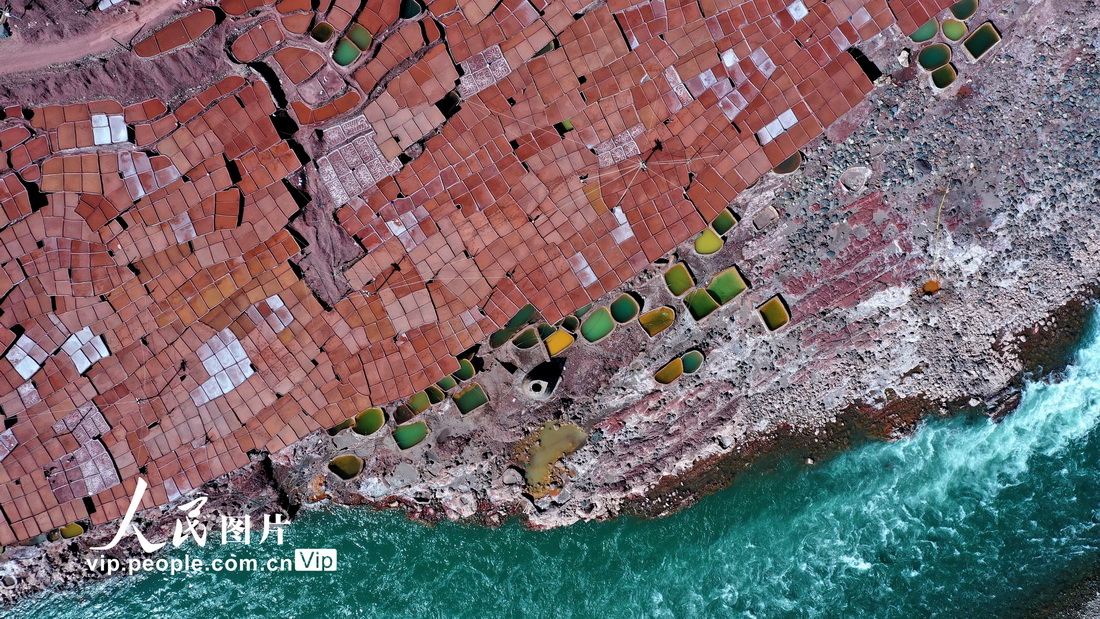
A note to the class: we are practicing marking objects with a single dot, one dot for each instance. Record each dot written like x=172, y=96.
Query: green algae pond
x=360, y=37
x=655, y=321
x=982, y=40
x=465, y=370
x=925, y=32
x=625, y=308
x=322, y=32
x=700, y=303
x=346, y=467
x=528, y=338
x=692, y=361
x=598, y=326
x=726, y=285
x=670, y=372
x=419, y=402
x=499, y=337
x=369, y=421
x=470, y=398
x=774, y=313
x=345, y=53
x=708, y=242
x=944, y=76
x=964, y=9
x=953, y=29
x=410, y=9
x=407, y=436
x=934, y=56
x=570, y=323
x=724, y=221
x=678, y=279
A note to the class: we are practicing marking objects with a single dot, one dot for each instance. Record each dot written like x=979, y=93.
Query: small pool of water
x=624, y=309
x=934, y=56
x=692, y=360
x=944, y=76
x=982, y=40
x=678, y=279
x=700, y=303
x=790, y=164
x=964, y=9
x=346, y=466
x=345, y=53
x=925, y=32
x=774, y=313
x=655, y=321
x=598, y=325
x=322, y=32
x=470, y=398
x=724, y=221
x=708, y=242
x=360, y=37
x=558, y=341
x=727, y=285
x=369, y=421
x=409, y=435
x=954, y=29
x=670, y=372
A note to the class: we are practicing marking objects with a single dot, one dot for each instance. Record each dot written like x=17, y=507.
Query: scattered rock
x=855, y=179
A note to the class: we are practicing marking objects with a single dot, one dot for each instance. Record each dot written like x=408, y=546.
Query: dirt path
x=17, y=56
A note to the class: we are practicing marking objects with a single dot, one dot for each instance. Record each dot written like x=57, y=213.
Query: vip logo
x=315, y=560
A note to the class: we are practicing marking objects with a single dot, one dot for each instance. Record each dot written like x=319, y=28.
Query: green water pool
x=345, y=53
x=700, y=303
x=692, y=361
x=678, y=279
x=964, y=9
x=407, y=436
x=982, y=40
x=369, y=421
x=360, y=36
x=470, y=398
x=724, y=221
x=598, y=326
x=953, y=29
x=708, y=242
x=934, y=56
x=944, y=76
x=655, y=321
x=726, y=285
x=925, y=32
x=624, y=309
x=346, y=466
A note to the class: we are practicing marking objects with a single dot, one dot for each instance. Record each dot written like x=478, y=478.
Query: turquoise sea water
x=966, y=518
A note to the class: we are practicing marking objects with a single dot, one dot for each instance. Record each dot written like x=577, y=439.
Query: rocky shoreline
x=866, y=355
